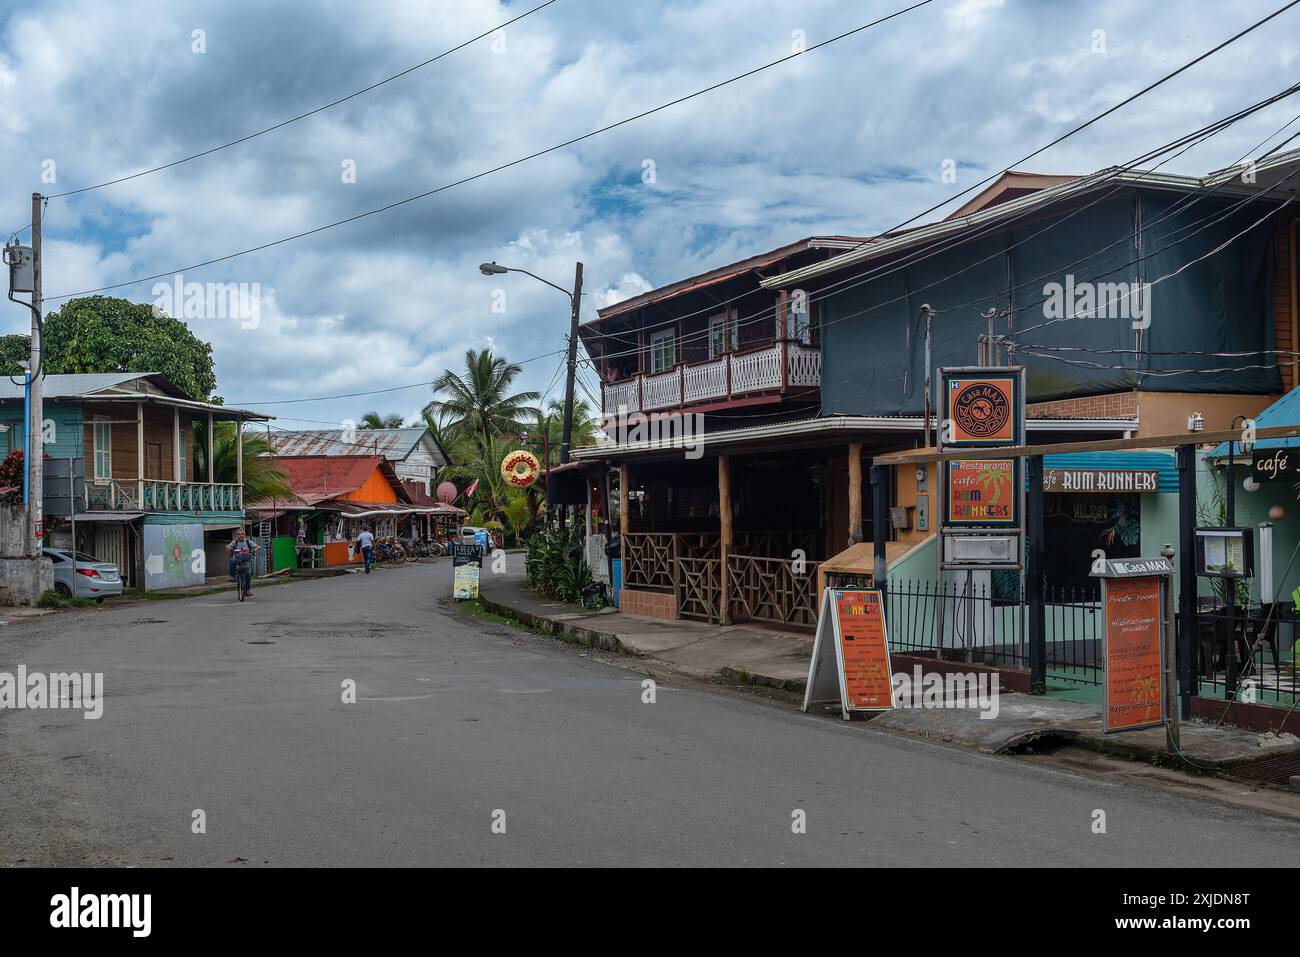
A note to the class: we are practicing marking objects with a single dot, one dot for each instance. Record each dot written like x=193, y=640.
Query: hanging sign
x=466, y=562
x=850, y=659
x=982, y=407
x=1270, y=464
x=983, y=492
x=1134, y=689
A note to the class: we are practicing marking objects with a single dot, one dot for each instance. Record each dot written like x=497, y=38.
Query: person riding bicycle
x=242, y=549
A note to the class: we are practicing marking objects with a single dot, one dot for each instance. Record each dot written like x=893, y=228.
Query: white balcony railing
x=661, y=391
x=623, y=395
x=708, y=380
x=761, y=369
x=782, y=365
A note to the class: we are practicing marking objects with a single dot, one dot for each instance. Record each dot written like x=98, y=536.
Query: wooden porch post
x=210, y=469
x=724, y=513
x=855, y=493
x=139, y=454
x=239, y=462
x=624, y=477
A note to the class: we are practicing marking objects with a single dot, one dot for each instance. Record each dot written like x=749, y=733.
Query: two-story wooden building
x=733, y=483
x=135, y=497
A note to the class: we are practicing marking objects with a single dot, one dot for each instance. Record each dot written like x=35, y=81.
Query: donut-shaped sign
x=520, y=468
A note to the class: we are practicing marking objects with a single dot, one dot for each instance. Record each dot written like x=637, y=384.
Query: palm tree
x=373, y=420
x=263, y=479
x=584, y=426
x=479, y=402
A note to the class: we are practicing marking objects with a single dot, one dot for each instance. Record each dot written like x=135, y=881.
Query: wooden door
x=153, y=460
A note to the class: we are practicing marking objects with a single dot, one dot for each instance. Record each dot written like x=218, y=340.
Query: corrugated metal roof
x=394, y=444
x=318, y=478
x=1285, y=411
x=71, y=386
x=1162, y=462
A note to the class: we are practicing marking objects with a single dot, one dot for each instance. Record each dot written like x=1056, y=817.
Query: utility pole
x=573, y=363
x=573, y=369
x=35, y=425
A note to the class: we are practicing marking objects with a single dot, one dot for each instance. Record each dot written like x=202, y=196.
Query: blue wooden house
x=130, y=437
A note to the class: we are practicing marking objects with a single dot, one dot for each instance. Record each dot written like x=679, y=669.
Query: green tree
x=520, y=512
x=106, y=334
x=480, y=402
x=13, y=348
x=263, y=479
x=373, y=420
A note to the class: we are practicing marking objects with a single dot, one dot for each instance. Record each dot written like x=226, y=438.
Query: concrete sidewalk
x=780, y=660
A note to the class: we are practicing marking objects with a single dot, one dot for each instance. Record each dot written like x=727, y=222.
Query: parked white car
x=83, y=576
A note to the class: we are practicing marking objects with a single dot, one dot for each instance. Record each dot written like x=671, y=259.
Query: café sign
x=1272, y=464
x=1101, y=481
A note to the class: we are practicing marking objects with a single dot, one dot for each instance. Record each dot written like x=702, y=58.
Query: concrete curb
x=1210, y=753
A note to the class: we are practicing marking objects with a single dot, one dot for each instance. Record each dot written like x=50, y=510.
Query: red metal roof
x=318, y=478
x=713, y=276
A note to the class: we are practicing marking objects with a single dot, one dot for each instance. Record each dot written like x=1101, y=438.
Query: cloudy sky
x=850, y=139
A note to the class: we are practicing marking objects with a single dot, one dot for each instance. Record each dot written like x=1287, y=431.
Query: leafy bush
x=11, y=474
x=555, y=563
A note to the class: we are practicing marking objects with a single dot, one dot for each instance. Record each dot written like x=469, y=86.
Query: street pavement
x=237, y=710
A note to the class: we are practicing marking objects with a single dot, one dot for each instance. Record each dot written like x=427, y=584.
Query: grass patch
x=52, y=599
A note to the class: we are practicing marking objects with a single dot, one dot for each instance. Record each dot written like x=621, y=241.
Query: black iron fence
x=1247, y=653
x=990, y=625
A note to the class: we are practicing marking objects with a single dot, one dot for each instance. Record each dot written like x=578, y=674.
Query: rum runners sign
x=1100, y=481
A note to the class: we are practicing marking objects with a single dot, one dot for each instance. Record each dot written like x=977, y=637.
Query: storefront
x=1120, y=503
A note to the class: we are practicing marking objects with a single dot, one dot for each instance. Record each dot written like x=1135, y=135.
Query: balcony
x=780, y=367
x=153, y=495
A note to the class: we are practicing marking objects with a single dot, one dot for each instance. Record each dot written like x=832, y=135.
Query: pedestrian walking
x=366, y=544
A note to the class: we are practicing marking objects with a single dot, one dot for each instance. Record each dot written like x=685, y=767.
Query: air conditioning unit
x=981, y=551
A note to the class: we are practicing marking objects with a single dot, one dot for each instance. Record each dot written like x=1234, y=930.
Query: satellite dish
x=447, y=493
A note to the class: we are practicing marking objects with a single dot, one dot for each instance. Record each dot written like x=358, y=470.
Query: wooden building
x=132, y=439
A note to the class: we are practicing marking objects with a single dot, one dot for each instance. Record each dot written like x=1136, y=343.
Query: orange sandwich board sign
x=850, y=659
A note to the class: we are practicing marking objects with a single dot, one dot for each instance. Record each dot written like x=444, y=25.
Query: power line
x=504, y=166
x=912, y=258
x=303, y=116
x=1189, y=140
x=1083, y=126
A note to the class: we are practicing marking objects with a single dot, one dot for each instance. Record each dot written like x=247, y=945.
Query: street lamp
x=575, y=301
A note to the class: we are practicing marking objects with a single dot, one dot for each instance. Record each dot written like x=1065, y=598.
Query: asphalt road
x=237, y=710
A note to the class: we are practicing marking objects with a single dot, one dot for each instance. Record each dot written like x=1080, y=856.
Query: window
x=718, y=328
x=798, y=318
x=663, y=352
x=103, y=436
x=17, y=434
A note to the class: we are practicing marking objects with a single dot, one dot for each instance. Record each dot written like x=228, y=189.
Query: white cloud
x=849, y=139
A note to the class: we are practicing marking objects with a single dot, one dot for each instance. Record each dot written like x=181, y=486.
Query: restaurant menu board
x=981, y=409
x=1134, y=687
x=983, y=493
x=466, y=561
x=850, y=661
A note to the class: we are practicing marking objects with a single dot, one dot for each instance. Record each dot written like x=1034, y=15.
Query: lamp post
x=575, y=303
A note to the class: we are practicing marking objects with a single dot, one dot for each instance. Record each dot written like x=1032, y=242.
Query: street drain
x=1274, y=769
